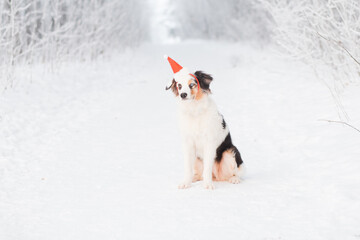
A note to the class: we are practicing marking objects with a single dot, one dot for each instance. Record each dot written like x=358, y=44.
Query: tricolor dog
x=209, y=153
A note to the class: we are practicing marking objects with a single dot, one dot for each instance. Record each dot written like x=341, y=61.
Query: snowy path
x=96, y=156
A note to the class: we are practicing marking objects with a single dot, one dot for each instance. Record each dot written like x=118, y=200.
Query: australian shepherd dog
x=209, y=154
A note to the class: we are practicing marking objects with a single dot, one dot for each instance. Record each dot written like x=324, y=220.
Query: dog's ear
x=173, y=88
x=204, y=80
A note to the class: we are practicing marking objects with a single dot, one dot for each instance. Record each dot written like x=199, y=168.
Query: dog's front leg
x=209, y=157
x=189, y=161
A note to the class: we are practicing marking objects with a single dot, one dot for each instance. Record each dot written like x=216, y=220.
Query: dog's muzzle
x=183, y=95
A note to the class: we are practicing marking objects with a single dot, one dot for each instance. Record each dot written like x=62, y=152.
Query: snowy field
x=91, y=151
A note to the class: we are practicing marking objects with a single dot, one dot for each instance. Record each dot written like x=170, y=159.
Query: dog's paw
x=234, y=180
x=184, y=185
x=209, y=185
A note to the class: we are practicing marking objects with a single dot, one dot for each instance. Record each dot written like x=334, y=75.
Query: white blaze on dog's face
x=186, y=87
x=182, y=79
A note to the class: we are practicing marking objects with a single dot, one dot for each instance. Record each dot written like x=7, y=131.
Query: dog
x=209, y=153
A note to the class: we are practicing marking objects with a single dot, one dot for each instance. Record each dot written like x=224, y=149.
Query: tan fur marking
x=196, y=92
x=199, y=94
x=198, y=169
x=174, y=88
x=222, y=171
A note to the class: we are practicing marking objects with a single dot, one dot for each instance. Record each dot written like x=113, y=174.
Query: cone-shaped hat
x=174, y=65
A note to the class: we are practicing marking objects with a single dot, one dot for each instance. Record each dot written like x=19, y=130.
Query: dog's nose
x=183, y=95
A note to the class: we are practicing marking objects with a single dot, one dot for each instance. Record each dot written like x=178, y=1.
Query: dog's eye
x=179, y=86
x=192, y=85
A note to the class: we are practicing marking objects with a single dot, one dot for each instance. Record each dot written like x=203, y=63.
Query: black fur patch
x=226, y=145
x=223, y=123
x=204, y=79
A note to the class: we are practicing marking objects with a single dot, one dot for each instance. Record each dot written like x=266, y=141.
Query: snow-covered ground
x=92, y=151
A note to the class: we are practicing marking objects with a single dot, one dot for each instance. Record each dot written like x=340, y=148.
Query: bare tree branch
x=340, y=45
x=341, y=122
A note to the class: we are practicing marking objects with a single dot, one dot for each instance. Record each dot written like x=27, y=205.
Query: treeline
x=53, y=30
x=234, y=20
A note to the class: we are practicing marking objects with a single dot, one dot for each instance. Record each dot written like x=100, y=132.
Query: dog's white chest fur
x=200, y=124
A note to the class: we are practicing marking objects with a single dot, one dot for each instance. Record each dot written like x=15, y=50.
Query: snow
x=91, y=151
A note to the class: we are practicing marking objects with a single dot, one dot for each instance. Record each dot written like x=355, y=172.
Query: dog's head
x=191, y=86
x=188, y=86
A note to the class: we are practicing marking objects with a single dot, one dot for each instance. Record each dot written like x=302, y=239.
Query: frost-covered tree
x=51, y=31
x=226, y=20
x=323, y=33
